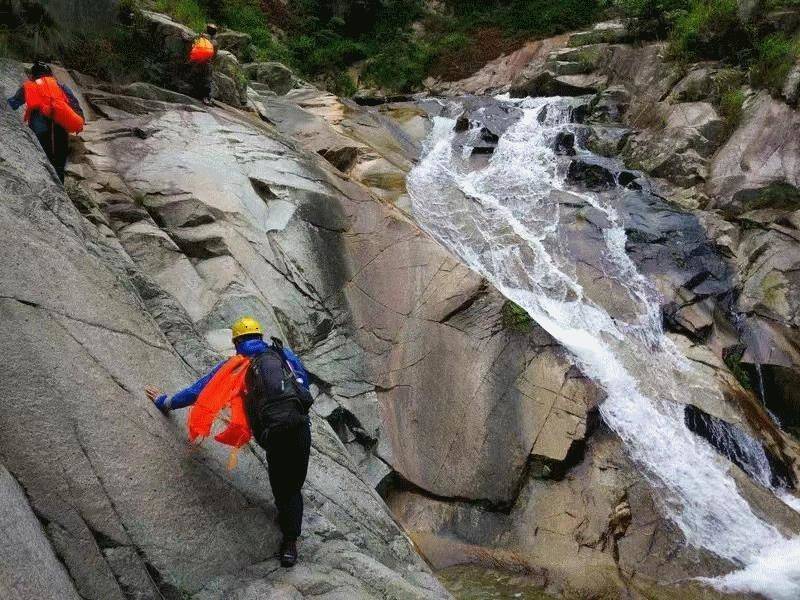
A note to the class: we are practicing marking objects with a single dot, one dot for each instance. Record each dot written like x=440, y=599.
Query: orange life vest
x=202, y=50
x=46, y=96
x=226, y=389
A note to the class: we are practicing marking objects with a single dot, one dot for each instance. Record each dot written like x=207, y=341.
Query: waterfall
x=502, y=220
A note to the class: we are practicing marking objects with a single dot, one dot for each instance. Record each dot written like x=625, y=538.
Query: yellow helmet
x=245, y=326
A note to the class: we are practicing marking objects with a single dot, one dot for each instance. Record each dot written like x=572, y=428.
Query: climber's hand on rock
x=152, y=393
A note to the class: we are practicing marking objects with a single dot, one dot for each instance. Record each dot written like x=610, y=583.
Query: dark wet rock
x=628, y=180
x=606, y=141
x=493, y=117
x=590, y=175
x=462, y=124
x=542, y=115
x=610, y=105
x=564, y=143
x=672, y=248
x=579, y=113
x=738, y=447
x=489, y=137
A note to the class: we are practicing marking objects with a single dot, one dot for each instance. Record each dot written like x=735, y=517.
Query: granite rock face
x=125, y=504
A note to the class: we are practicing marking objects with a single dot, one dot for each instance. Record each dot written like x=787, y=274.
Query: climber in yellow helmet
x=272, y=401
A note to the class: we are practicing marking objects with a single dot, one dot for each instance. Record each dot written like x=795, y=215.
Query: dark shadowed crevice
x=738, y=447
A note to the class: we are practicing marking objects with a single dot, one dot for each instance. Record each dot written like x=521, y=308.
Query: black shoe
x=288, y=553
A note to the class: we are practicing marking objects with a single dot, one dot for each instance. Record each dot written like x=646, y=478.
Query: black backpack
x=274, y=399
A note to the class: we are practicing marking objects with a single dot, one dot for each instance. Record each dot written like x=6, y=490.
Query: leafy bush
x=775, y=56
x=652, y=19
x=525, y=17
x=730, y=107
x=712, y=30
x=733, y=359
x=400, y=68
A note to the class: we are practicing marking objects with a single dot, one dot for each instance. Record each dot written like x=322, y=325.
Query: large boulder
x=235, y=42
x=276, y=76
x=548, y=83
x=645, y=73
x=613, y=32
x=680, y=150
x=596, y=533
x=575, y=61
x=229, y=83
x=791, y=87
x=498, y=75
x=759, y=166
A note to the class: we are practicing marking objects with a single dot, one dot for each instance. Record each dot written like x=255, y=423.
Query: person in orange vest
x=53, y=138
x=274, y=404
x=201, y=59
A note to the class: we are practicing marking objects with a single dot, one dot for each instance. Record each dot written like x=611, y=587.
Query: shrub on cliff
x=712, y=29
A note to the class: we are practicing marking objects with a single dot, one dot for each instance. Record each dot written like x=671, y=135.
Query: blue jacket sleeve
x=73, y=100
x=188, y=396
x=297, y=366
x=17, y=99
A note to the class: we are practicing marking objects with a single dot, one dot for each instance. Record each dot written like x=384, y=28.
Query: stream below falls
x=500, y=216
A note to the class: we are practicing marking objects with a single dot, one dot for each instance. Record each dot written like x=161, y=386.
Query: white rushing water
x=503, y=221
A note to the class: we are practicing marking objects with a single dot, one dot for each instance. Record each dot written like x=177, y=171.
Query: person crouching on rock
x=266, y=388
x=52, y=111
x=201, y=59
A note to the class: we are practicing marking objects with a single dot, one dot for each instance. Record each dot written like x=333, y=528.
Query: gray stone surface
x=28, y=566
x=118, y=489
x=680, y=149
x=229, y=82
x=276, y=76
x=759, y=166
x=235, y=42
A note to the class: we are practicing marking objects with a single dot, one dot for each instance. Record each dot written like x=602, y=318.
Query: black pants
x=288, y=451
x=201, y=77
x=55, y=143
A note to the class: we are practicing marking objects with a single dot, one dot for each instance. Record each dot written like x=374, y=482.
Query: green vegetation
x=730, y=107
x=515, y=318
x=651, y=19
x=775, y=56
x=394, y=45
x=321, y=40
x=188, y=12
x=733, y=359
x=711, y=29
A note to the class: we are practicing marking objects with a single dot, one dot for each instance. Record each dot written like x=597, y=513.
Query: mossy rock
x=779, y=195
x=516, y=319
